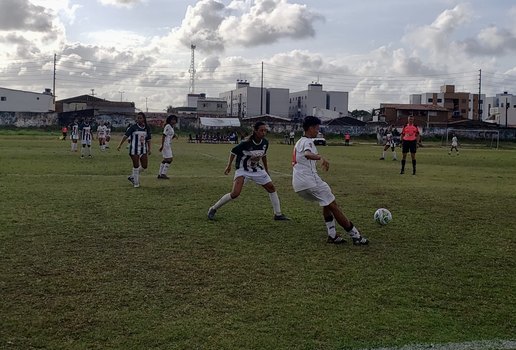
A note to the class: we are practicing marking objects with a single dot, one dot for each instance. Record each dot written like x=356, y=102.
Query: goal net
x=473, y=138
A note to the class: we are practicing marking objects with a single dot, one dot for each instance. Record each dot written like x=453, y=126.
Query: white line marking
x=472, y=345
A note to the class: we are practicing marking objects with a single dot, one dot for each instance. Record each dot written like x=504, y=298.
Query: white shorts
x=167, y=152
x=320, y=193
x=86, y=142
x=260, y=177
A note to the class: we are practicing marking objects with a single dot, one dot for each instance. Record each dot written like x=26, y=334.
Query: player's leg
x=343, y=221
x=238, y=183
x=135, y=176
x=413, y=150
x=385, y=148
x=393, y=149
x=276, y=206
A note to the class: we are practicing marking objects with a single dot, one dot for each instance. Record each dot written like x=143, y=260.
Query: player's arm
x=312, y=156
x=265, y=164
x=121, y=142
x=162, y=142
x=230, y=161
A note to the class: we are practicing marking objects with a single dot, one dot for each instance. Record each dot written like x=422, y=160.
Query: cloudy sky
x=139, y=50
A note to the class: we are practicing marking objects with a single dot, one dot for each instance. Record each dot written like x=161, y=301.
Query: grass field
x=88, y=262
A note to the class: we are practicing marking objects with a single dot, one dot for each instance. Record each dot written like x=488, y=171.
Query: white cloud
x=120, y=3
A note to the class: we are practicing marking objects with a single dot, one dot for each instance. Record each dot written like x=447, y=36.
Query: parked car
x=320, y=140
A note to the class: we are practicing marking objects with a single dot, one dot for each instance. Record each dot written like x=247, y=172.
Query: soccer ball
x=382, y=216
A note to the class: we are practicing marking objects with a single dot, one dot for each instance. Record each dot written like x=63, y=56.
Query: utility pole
x=93, y=92
x=479, y=94
x=146, y=108
x=54, y=82
x=121, y=95
x=261, y=94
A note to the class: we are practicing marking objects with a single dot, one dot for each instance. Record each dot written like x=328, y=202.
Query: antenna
x=192, y=70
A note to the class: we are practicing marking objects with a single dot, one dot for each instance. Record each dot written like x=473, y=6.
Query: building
x=211, y=107
x=502, y=109
x=463, y=105
x=248, y=101
x=95, y=105
x=26, y=101
x=304, y=103
x=424, y=114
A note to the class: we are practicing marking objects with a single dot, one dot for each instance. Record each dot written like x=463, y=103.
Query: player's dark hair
x=144, y=118
x=170, y=118
x=255, y=129
x=310, y=121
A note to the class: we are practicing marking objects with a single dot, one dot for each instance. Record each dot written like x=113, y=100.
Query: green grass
x=88, y=262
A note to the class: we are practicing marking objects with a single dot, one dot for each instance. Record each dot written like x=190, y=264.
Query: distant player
x=389, y=143
x=101, y=135
x=108, y=133
x=409, y=139
x=250, y=164
x=166, y=146
x=307, y=184
x=86, y=138
x=74, y=135
x=454, y=145
x=139, y=147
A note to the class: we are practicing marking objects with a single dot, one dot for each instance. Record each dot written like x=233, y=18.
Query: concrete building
x=247, y=101
x=26, y=101
x=95, y=104
x=424, y=114
x=211, y=107
x=463, y=105
x=502, y=109
x=304, y=103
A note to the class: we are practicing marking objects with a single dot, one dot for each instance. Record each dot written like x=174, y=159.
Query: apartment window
x=439, y=100
x=3, y=98
x=430, y=100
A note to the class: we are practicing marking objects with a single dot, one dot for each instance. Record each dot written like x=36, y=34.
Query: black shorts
x=410, y=146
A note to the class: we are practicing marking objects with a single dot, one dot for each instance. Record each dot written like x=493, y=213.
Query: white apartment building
x=502, y=109
x=462, y=104
x=304, y=103
x=26, y=101
x=247, y=101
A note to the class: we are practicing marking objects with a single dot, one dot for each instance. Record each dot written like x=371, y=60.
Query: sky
x=380, y=51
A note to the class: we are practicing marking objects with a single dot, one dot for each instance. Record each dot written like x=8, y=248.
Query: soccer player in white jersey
x=307, y=183
x=389, y=143
x=139, y=147
x=108, y=133
x=74, y=136
x=166, y=146
x=86, y=138
x=454, y=145
x=101, y=135
x=249, y=153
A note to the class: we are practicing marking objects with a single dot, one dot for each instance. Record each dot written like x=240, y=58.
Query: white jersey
x=304, y=174
x=101, y=131
x=454, y=141
x=169, y=133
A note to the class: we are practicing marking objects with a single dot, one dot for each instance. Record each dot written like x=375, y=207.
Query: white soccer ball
x=382, y=216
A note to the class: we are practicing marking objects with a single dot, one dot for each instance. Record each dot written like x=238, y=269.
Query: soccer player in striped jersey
x=250, y=164
x=101, y=135
x=108, y=133
x=86, y=138
x=74, y=135
x=307, y=184
x=139, y=147
x=389, y=143
x=166, y=146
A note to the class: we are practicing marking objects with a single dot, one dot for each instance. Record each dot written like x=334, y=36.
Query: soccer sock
x=352, y=231
x=141, y=169
x=223, y=200
x=161, y=165
x=165, y=168
x=383, y=154
x=394, y=155
x=402, y=164
x=136, y=175
x=414, y=166
x=275, y=203
x=330, y=226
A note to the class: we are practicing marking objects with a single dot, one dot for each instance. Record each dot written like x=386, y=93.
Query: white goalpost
x=489, y=137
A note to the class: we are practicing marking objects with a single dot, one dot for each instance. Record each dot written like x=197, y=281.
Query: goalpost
x=488, y=137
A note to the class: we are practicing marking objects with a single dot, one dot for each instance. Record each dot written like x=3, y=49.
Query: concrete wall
x=25, y=101
x=28, y=119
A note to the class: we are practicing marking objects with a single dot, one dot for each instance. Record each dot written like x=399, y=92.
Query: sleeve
x=238, y=149
x=130, y=130
x=305, y=145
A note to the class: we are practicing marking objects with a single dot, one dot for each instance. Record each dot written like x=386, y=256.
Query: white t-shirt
x=454, y=141
x=168, y=131
x=304, y=173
